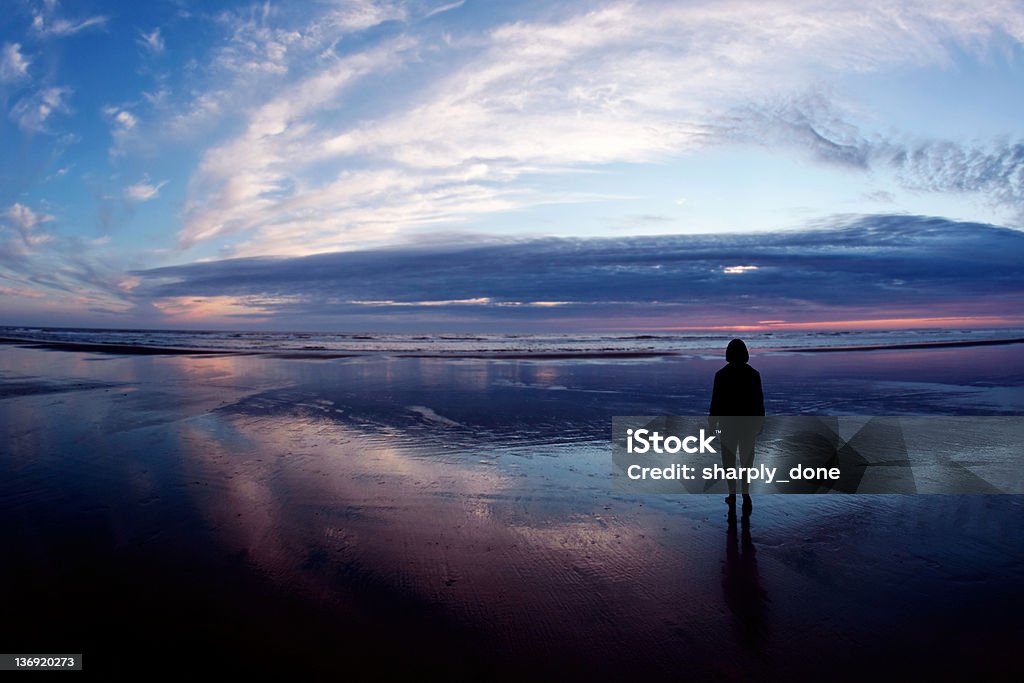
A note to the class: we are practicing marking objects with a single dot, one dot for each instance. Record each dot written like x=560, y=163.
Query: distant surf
x=510, y=346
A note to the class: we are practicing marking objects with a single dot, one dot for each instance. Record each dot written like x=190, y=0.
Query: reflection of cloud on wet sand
x=288, y=485
x=304, y=496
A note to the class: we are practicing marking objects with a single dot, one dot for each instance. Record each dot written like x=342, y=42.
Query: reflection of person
x=741, y=583
x=737, y=408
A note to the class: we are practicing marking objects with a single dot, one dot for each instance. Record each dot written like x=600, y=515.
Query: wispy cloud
x=625, y=82
x=54, y=274
x=125, y=119
x=445, y=8
x=26, y=223
x=47, y=21
x=993, y=170
x=13, y=64
x=152, y=42
x=263, y=49
x=122, y=128
x=32, y=112
x=143, y=190
x=356, y=15
x=241, y=183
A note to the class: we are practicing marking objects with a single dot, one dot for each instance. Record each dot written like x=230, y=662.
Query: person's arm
x=759, y=396
x=759, y=401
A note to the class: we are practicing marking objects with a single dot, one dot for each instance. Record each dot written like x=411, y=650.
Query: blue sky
x=179, y=164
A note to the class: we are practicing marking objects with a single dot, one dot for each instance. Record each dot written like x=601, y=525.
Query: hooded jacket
x=737, y=388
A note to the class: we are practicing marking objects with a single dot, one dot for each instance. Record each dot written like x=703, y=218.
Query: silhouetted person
x=737, y=408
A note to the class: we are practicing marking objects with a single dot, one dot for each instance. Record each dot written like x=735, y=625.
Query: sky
x=441, y=165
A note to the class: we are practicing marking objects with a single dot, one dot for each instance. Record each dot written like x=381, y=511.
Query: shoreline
x=300, y=354
x=911, y=346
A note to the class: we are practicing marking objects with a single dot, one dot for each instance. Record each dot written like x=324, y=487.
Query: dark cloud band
x=909, y=263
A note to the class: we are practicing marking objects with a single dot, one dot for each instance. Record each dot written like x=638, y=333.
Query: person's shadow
x=741, y=586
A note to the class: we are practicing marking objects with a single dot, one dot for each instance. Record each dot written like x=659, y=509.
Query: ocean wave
x=520, y=346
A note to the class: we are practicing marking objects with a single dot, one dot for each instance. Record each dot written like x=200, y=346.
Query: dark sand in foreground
x=411, y=515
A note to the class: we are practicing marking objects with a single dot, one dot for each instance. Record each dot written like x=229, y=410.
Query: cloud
x=264, y=47
x=348, y=126
x=32, y=112
x=125, y=119
x=153, y=42
x=21, y=234
x=445, y=8
x=143, y=191
x=880, y=196
x=47, y=22
x=240, y=180
x=807, y=122
x=60, y=272
x=20, y=292
x=26, y=221
x=122, y=128
x=626, y=82
x=994, y=170
x=253, y=46
x=256, y=46
x=896, y=266
x=13, y=64
x=357, y=15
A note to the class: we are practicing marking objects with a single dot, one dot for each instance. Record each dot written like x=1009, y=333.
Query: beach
x=455, y=514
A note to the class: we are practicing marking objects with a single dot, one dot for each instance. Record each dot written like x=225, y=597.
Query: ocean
x=456, y=344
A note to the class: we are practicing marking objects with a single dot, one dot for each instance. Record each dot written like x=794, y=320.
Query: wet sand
x=413, y=515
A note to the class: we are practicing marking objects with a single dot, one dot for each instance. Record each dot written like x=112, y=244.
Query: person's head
x=737, y=352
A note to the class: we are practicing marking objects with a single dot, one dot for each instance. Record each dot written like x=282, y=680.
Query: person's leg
x=729, y=460
x=746, y=457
